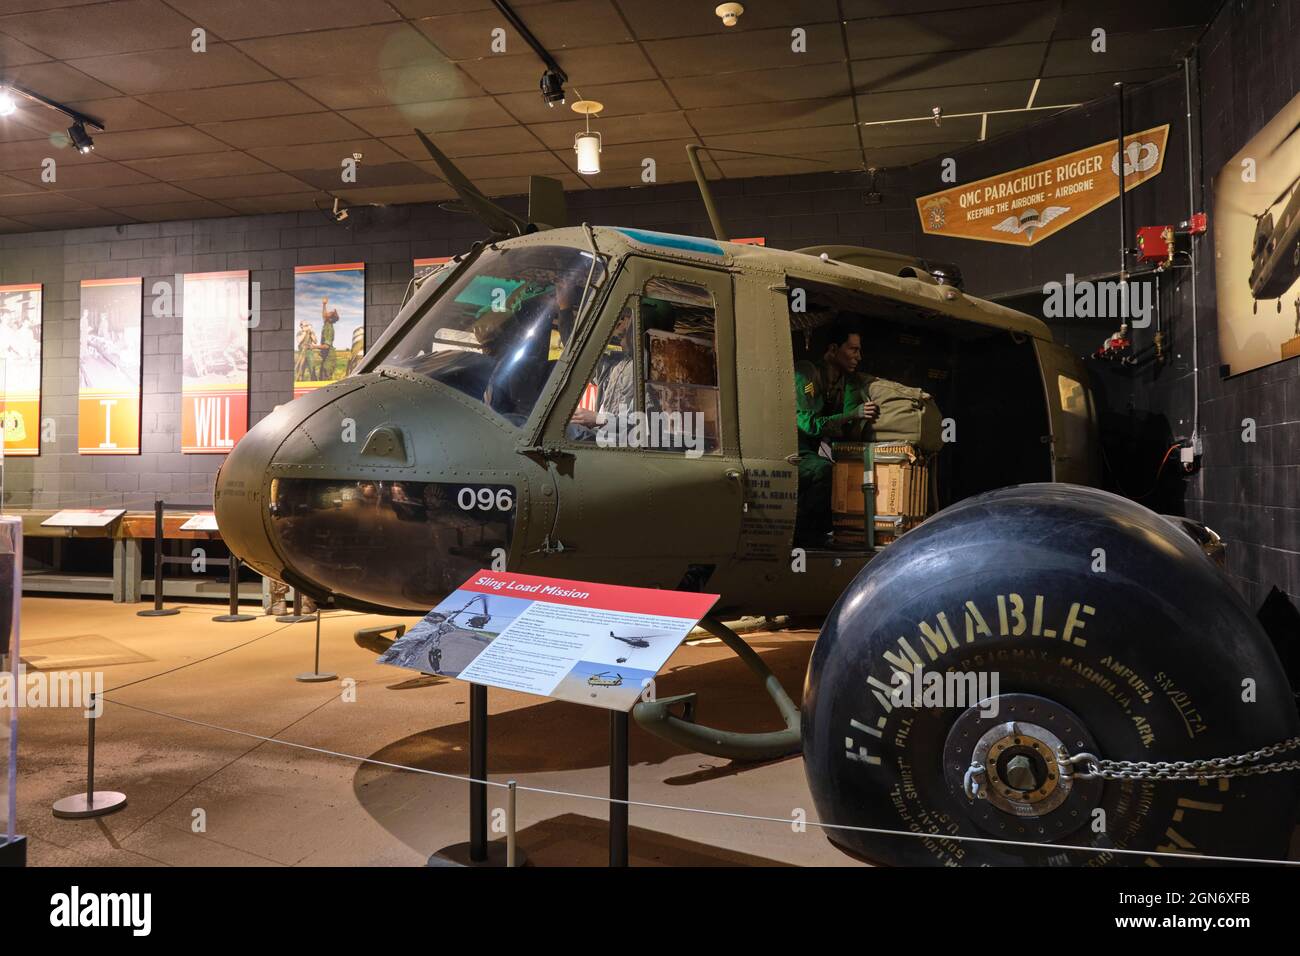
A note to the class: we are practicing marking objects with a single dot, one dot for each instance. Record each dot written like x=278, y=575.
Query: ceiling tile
x=13, y=53
x=58, y=81
x=559, y=27
x=515, y=73
x=496, y=167
x=435, y=79
x=294, y=202
x=817, y=80
x=147, y=143
x=123, y=113
x=246, y=101
x=471, y=142
x=259, y=184
x=827, y=162
x=76, y=219
x=616, y=155
x=746, y=51
x=1065, y=90
x=1124, y=51
x=199, y=166
x=241, y=19
x=328, y=156
x=380, y=47
x=698, y=19
x=368, y=176
x=168, y=211
x=390, y=195
x=790, y=142
x=959, y=129
x=166, y=70
x=16, y=185
x=951, y=99
x=282, y=130
x=123, y=26
x=30, y=155
x=442, y=115
x=937, y=33
x=137, y=194
x=92, y=175
x=923, y=71
x=1124, y=16
x=22, y=205
x=757, y=116
x=619, y=99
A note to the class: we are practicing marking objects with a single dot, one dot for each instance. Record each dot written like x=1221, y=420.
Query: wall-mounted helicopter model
x=483, y=401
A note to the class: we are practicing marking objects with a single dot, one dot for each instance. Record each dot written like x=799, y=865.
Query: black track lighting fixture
x=77, y=134
x=553, y=87
x=81, y=140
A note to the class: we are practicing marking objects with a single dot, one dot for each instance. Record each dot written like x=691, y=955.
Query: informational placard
x=1026, y=205
x=329, y=320
x=20, y=350
x=596, y=644
x=214, y=376
x=83, y=518
x=108, y=402
x=203, y=521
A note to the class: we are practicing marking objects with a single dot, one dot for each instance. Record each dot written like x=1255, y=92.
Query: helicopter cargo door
x=1072, y=417
x=655, y=487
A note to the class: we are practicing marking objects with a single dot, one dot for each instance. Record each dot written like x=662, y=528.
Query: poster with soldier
x=108, y=398
x=214, y=368
x=20, y=353
x=329, y=321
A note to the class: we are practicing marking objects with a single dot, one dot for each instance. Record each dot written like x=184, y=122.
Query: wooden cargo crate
x=902, y=492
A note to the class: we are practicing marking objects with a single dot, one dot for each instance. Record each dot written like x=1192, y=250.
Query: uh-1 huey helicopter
x=465, y=441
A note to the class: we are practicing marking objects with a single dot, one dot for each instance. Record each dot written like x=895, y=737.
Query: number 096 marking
x=485, y=499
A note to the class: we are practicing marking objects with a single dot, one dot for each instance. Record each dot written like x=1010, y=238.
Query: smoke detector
x=730, y=13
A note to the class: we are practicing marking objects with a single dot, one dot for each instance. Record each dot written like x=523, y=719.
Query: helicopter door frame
x=1071, y=414
x=650, y=502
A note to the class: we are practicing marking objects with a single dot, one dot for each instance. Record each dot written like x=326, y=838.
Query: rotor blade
x=495, y=217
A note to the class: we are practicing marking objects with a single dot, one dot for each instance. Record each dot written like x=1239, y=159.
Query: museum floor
x=267, y=804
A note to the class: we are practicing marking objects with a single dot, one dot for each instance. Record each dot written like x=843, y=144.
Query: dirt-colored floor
x=263, y=803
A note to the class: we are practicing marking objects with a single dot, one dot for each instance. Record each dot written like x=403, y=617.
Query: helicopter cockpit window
x=499, y=328
x=677, y=407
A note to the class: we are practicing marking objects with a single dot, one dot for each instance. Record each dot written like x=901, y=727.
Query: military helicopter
x=1275, y=249
x=478, y=402
x=634, y=641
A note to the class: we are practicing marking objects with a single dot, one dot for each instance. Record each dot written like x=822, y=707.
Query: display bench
x=127, y=530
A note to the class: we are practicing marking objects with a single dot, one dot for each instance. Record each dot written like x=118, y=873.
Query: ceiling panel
x=473, y=113
x=435, y=79
x=288, y=89
x=166, y=70
x=243, y=101
x=241, y=19
x=120, y=27
x=380, y=47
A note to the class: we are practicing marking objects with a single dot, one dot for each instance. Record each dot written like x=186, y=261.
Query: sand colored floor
x=265, y=804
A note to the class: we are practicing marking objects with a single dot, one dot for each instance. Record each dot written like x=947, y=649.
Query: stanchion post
x=92, y=803
x=234, y=614
x=618, y=789
x=158, y=610
x=511, y=791
x=315, y=676
x=478, y=771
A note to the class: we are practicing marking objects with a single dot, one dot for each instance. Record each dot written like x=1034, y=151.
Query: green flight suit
x=329, y=358
x=825, y=412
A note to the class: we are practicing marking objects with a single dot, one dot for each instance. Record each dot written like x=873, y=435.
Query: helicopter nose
x=360, y=491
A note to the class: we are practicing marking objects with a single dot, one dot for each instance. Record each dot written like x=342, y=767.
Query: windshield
x=497, y=331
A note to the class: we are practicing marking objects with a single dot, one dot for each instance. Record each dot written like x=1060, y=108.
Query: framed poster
x=20, y=350
x=108, y=402
x=214, y=361
x=1257, y=246
x=329, y=321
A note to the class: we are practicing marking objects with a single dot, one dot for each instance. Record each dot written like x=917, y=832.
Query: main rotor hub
x=1019, y=749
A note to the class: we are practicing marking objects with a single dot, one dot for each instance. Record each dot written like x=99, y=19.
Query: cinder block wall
x=789, y=211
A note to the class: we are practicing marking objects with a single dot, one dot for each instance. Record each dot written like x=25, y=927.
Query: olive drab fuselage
x=527, y=496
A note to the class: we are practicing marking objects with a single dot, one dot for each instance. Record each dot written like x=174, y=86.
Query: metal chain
x=1088, y=766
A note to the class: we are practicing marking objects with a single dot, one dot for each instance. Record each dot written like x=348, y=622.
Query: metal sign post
x=618, y=789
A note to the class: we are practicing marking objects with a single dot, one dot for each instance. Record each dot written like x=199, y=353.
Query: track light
x=80, y=138
x=552, y=87
x=7, y=104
